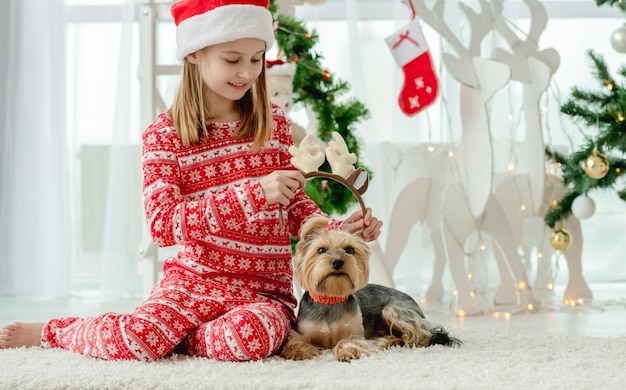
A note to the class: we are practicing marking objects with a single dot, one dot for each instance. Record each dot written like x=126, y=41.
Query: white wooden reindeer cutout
x=534, y=69
x=468, y=206
x=530, y=231
x=423, y=199
x=480, y=78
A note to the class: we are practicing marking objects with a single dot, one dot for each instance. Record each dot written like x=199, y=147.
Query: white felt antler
x=340, y=159
x=308, y=157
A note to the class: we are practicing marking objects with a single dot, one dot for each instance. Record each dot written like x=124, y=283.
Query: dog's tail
x=440, y=336
x=410, y=327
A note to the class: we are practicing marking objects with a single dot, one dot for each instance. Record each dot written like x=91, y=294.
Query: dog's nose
x=336, y=264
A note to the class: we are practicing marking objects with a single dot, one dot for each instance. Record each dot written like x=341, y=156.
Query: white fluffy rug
x=487, y=360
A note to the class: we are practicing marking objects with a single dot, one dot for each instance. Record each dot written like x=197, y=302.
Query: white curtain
x=70, y=199
x=35, y=229
x=106, y=138
x=124, y=216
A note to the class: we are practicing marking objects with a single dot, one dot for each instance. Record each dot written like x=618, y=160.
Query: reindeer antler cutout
x=308, y=158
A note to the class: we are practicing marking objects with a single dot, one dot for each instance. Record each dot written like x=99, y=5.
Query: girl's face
x=229, y=69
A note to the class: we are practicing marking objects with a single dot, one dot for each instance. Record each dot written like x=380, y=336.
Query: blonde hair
x=190, y=115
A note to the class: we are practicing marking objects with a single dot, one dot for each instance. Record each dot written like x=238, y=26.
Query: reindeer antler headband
x=308, y=158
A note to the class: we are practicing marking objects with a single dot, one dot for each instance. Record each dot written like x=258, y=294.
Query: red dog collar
x=326, y=300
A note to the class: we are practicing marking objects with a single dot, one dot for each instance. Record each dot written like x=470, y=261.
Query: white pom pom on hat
x=202, y=23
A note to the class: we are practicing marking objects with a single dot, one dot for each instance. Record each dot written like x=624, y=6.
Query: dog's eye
x=321, y=251
x=349, y=250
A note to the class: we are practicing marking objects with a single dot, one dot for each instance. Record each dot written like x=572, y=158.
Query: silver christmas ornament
x=618, y=39
x=583, y=207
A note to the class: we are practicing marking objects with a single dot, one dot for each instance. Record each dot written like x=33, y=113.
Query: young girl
x=216, y=176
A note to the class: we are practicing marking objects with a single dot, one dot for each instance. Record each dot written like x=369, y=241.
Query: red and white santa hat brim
x=202, y=23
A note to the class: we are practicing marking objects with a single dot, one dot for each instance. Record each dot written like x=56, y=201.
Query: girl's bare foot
x=21, y=334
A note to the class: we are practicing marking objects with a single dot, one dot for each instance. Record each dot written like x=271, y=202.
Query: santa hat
x=202, y=23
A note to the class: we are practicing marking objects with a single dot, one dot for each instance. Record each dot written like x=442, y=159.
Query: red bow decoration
x=402, y=37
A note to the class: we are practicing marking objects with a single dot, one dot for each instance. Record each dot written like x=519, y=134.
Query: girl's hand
x=281, y=186
x=370, y=224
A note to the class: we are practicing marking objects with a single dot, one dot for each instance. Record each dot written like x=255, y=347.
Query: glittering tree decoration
x=316, y=87
x=600, y=161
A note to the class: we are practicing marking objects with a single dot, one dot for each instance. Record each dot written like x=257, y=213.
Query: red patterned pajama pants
x=222, y=318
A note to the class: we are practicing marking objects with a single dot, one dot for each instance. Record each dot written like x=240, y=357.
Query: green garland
x=316, y=87
x=604, y=111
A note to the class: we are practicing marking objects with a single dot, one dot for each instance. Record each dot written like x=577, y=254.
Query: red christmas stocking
x=410, y=51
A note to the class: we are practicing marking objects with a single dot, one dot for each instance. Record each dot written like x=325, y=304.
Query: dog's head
x=330, y=262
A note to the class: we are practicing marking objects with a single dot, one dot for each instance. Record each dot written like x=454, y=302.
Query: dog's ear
x=313, y=227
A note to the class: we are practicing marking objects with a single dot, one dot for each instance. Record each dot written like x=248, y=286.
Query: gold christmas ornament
x=596, y=165
x=560, y=239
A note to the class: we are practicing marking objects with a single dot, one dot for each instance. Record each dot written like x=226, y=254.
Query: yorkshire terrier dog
x=341, y=311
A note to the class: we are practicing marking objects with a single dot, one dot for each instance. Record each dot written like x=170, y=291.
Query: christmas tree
x=317, y=88
x=599, y=161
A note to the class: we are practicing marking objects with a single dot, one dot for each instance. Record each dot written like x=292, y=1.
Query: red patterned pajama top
x=208, y=200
